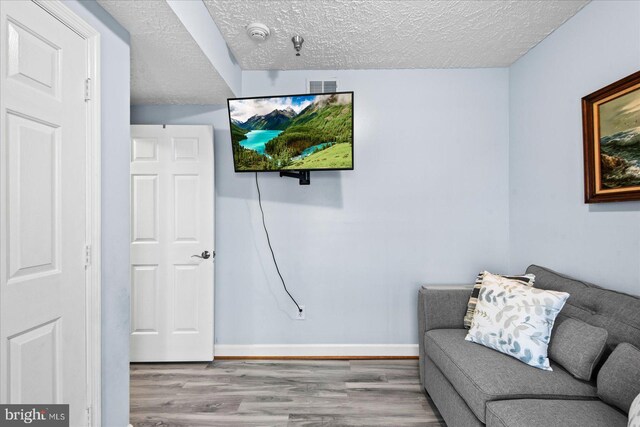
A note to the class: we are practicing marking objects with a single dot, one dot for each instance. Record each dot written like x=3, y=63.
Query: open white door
x=171, y=228
x=45, y=217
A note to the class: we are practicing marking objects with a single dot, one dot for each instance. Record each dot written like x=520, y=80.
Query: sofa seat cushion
x=481, y=375
x=553, y=413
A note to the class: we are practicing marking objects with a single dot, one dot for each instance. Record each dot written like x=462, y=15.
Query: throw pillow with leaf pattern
x=525, y=279
x=515, y=319
x=634, y=413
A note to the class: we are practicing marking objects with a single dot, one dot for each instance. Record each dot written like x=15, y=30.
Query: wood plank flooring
x=281, y=393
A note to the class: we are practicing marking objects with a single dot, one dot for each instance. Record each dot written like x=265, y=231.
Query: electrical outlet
x=300, y=315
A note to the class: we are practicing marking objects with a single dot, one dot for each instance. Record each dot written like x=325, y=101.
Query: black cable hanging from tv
x=266, y=232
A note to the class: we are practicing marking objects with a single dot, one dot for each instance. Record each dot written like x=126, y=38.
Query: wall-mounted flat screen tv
x=295, y=132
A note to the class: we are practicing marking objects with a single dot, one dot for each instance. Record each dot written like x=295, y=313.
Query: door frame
x=93, y=271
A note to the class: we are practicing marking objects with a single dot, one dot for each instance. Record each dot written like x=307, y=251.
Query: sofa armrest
x=440, y=307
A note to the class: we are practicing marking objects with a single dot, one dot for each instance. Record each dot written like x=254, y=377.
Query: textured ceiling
x=365, y=34
x=167, y=65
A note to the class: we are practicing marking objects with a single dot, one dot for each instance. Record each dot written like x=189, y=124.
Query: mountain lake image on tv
x=295, y=132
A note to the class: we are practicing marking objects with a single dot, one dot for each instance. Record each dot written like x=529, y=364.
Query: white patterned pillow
x=524, y=279
x=634, y=413
x=515, y=319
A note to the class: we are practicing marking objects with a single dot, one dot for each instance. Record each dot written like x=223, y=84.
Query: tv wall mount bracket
x=303, y=176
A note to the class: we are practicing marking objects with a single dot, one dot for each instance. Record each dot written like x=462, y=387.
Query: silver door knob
x=204, y=255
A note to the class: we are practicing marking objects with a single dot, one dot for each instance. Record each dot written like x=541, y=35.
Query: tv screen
x=295, y=132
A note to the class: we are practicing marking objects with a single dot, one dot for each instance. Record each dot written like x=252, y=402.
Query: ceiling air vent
x=322, y=86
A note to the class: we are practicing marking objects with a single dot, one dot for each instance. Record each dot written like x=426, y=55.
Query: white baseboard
x=318, y=350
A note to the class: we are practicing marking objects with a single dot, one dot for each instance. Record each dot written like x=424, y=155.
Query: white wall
x=427, y=202
x=114, y=40
x=549, y=222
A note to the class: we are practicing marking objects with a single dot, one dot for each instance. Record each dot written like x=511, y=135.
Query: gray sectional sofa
x=472, y=385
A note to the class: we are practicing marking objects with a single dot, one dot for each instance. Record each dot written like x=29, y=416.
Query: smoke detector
x=258, y=32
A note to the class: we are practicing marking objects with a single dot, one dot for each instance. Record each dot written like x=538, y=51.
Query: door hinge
x=88, y=411
x=87, y=90
x=87, y=256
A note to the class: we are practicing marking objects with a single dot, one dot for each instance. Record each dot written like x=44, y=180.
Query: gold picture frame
x=611, y=136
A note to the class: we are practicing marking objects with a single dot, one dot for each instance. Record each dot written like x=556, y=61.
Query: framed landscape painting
x=611, y=131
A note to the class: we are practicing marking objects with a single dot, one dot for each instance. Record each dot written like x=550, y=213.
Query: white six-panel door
x=171, y=222
x=42, y=210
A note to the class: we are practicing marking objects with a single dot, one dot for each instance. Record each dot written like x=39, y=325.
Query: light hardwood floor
x=281, y=393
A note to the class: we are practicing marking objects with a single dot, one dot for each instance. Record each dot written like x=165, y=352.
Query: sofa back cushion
x=577, y=346
x=619, y=379
x=617, y=312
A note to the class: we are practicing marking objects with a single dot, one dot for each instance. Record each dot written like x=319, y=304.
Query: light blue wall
x=549, y=222
x=114, y=71
x=427, y=202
